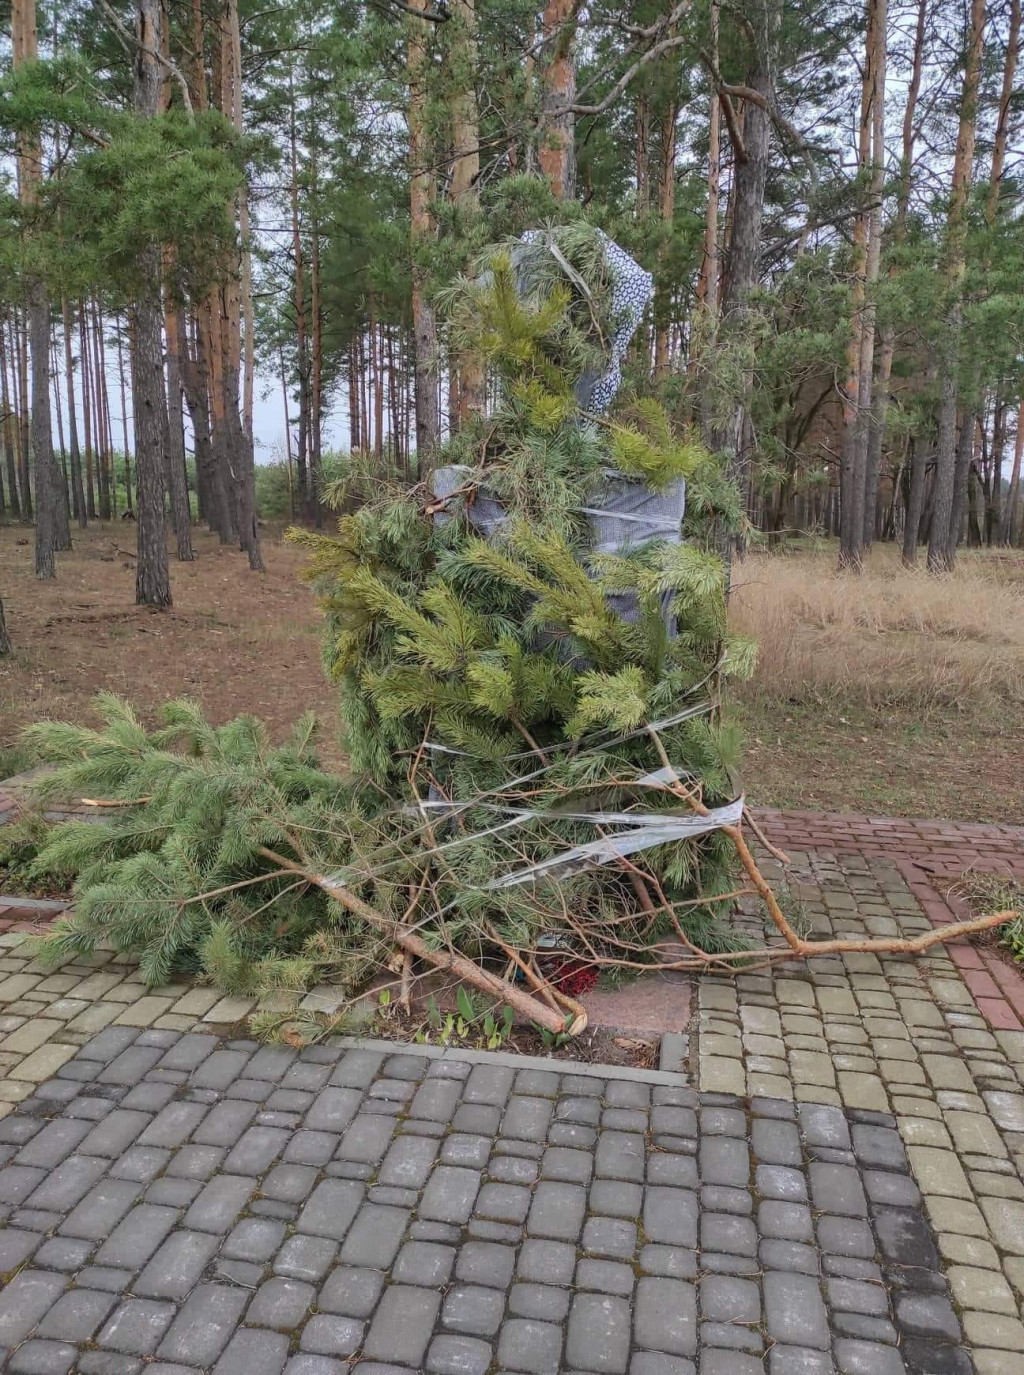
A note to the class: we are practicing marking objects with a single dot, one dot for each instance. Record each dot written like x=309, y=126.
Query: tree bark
x=77, y=491
x=181, y=516
x=556, y=154
x=945, y=532
x=152, y=583
x=6, y=647
x=50, y=522
x=867, y=457
x=421, y=193
x=104, y=456
x=299, y=298
x=1009, y=520
x=465, y=175
x=9, y=429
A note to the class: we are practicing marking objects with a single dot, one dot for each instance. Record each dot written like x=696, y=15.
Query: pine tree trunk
x=945, y=530
x=152, y=583
x=993, y=504
x=666, y=212
x=104, y=458
x=747, y=212
x=86, y=370
x=868, y=457
x=465, y=175
x=242, y=315
x=181, y=517
x=856, y=406
x=50, y=535
x=421, y=193
x=77, y=491
x=60, y=466
x=6, y=647
x=556, y=154
x=299, y=297
x=316, y=362
x=1009, y=521
x=9, y=427
x=128, y=490
x=19, y=344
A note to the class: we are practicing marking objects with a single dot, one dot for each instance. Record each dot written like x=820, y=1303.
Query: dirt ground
x=237, y=641
x=244, y=643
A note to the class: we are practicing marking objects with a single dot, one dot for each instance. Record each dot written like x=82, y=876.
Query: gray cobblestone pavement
x=174, y=1203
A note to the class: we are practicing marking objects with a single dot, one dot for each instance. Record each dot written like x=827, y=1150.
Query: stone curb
x=500, y=1057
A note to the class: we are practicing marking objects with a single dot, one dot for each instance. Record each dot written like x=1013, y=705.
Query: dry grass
x=888, y=637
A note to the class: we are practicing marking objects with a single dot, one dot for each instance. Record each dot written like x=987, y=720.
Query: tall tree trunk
x=248, y=520
x=316, y=355
x=1009, y=521
x=556, y=154
x=421, y=193
x=880, y=399
x=867, y=460
x=86, y=366
x=855, y=406
x=123, y=390
x=666, y=212
x=994, y=495
x=62, y=469
x=104, y=457
x=19, y=347
x=50, y=522
x=299, y=297
x=196, y=379
x=77, y=491
x=181, y=516
x=152, y=583
x=465, y=175
x=945, y=530
x=710, y=271
x=9, y=432
x=6, y=647
x=747, y=212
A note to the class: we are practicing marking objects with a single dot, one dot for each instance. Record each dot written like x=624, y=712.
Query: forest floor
x=890, y=694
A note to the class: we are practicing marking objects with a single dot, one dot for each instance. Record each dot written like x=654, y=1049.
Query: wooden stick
x=463, y=968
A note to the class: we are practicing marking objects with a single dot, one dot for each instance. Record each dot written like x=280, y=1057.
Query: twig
x=780, y=855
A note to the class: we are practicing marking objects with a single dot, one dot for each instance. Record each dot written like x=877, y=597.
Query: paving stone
x=666, y=1315
x=204, y=1325
x=305, y=1257
x=39, y=1357
x=136, y=1326
x=254, y=1238
x=331, y=1208
x=137, y=1236
x=177, y=1266
x=670, y=1215
x=533, y=1347
x=867, y=1358
x=329, y=1335
x=794, y=1311
x=253, y=1353
x=425, y=1263
x=598, y=1335
x=401, y=1327
x=450, y=1194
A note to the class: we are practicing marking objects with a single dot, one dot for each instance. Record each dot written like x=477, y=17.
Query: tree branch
x=127, y=37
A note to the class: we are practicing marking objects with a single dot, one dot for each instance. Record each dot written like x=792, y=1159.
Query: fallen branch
x=465, y=969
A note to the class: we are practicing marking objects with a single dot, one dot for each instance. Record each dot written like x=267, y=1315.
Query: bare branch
x=126, y=37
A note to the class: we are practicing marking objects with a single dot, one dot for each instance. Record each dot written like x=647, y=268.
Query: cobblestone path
x=833, y=1186
x=171, y=1198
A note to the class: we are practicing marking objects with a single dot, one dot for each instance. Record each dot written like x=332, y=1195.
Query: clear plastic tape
x=667, y=829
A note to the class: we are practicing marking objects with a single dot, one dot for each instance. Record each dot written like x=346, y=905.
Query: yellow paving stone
x=811, y=1067
x=975, y=1131
x=956, y=1215
x=230, y=1009
x=948, y=1072
x=922, y=1131
x=997, y=1362
x=863, y=1091
x=995, y=1330
x=938, y=1172
x=816, y=1093
x=125, y=993
x=57, y=983
x=13, y=1092
x=721, y=1075
x=43, y=1063
x=986, y=1290
x=16, y=986
x=34, y=1033
x=1006, y=1221
x=5, y=1108
x=144, y=1012
x=96, y=985
x=196, y=1002
x=171, y=1022
x=94, y=1018
x=901, y=1072
x=769, y=1086
x=973, y=1251
x=1013, y=1268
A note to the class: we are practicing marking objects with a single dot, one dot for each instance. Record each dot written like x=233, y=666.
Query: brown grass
x=889, y=636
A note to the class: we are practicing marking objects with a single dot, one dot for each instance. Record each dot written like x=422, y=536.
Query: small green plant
x=998, y=893
x=554, y=1040
x=468, y=1026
